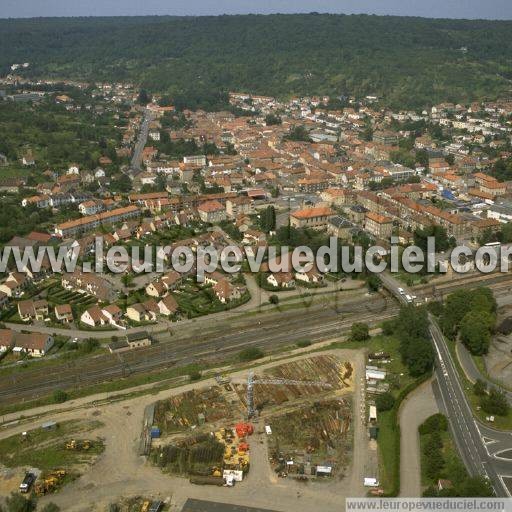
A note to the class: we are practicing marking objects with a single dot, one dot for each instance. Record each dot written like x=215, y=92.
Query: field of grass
x=45, y=449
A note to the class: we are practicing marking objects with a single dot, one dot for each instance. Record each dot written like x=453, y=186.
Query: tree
x=495, y=402
x=373, y=282
x=17, y=503
x=475, y=331
x=385, y=402
x=450, y=159
x=359, y=332
x=480, y=388
x=388, y=327
x=51, y=507
x=273, y=299
x=298, y=134
x=268, y=219
x=420, y=357
x=439, y=233
x=59, y=396
x=476, y=486
x=250, y=354
x=144, y=98
x=435, y=423
x=194, y=375
x=272, y=120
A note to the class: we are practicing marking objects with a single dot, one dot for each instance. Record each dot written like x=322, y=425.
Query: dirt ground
x=10, y=480
x=121, y=472
x=416, y=408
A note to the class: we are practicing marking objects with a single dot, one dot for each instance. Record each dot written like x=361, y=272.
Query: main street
x=136, y=163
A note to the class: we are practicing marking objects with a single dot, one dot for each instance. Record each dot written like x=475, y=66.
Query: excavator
x=50, y=483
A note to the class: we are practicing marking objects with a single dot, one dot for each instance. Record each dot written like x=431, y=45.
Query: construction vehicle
x=73, y=444
x=145, y=506
x=251, y=411
x=50, y=483
x=27, y=483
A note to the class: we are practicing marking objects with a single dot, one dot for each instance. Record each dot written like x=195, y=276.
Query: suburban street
x=136, y=163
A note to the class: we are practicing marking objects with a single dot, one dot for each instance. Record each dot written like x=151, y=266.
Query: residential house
x=227, y=292
x=64, y=313
x=312, y=276
x=143, y=311
x=89, y=284
x=281, y=280
x=91, y=207
x=156, y=289
x=32, y=310
x=34, y=344
x=94, y=317
x=168, y=305
x=114, y=314
x=6, y=339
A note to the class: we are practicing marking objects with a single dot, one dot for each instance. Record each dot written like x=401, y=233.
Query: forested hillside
x=410, y=62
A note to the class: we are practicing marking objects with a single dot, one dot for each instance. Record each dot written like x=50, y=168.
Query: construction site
x=313, y=441
x=229, y=439
x=204, y=434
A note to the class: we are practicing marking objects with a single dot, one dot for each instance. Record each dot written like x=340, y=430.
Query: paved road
x=136, y=164
x=472, y=372
x=469, y=436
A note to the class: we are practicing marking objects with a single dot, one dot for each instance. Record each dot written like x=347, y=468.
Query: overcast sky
x=491, y=9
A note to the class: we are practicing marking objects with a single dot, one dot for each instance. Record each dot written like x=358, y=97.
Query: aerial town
x=275, y=390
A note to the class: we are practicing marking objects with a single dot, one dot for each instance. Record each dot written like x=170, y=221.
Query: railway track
x=29, y=384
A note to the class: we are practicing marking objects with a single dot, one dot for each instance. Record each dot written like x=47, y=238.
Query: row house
x=311, y=217
x=29, y=310
x=89, y=284
x=97, y=317
x=380, y=226
x=90, y=222
x=238, y=206
x=211, y=211
x=337, y=196
x=91, y=207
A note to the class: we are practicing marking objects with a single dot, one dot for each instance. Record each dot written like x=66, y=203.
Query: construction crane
x=251, y=411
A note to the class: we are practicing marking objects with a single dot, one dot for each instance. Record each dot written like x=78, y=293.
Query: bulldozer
x=58, y=473
x=145, y=506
